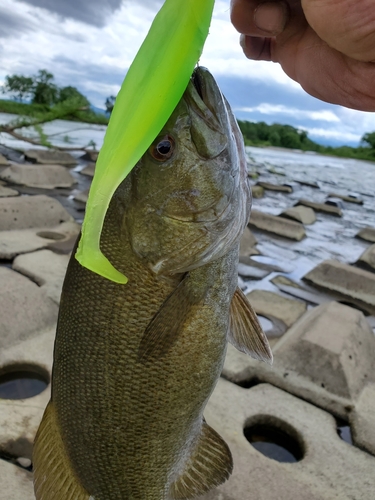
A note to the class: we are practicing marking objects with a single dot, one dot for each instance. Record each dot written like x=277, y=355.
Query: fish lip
x=196, y=79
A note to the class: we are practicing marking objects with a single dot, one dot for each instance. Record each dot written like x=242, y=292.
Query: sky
x=90, y=44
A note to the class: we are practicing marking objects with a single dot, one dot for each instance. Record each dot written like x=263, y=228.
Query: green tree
x=70, y=93
x=274, y=138
x=369, y=139
x=19, y=86
x=290, y=140
x=302, y=136
x=45, y=91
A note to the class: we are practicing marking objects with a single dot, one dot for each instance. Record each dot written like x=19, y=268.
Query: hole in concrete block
x=51, y=235
x=265, y=323
x=344, y=431
x=248, y=384
x=22, y=381
x=275, y=439
x=272, y=327
x=23, y=463
x=6, y=263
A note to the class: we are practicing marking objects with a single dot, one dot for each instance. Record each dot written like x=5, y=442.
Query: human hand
x=327, y=46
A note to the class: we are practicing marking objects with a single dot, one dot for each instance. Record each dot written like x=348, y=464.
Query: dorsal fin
x=245, y=332
x=164, y=328
x=209, y=466
x=54, y=478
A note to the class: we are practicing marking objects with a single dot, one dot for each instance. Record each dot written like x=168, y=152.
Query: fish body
x=135, y=364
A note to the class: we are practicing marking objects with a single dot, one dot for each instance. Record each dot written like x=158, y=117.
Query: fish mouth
x=197, y=82
x=209, y=92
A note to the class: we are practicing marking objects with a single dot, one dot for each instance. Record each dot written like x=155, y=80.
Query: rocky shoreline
x=307, y=264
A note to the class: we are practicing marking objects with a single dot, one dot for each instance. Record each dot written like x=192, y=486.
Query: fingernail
x=257, y=48
x=271, y=17
x=243, y=42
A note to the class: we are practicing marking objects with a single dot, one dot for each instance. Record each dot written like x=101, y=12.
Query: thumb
x=345, y=25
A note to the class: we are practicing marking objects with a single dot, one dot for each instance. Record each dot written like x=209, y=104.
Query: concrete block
x=89, y=170
x=368, y=234
x=311, y=295
x=20, y=418
x=275, y=307
x=5, y=192
x=326, y=357
x=247, y=243
x=24, y=212
x=64, y=246
x=277, y=225
x=362, y=420
x=329, y=470
x=321, y=207
x=311, y=184
x=348, y=198
x=90, y=155
x=81, y=196
x=266, y=263
x=25, y=310
x=275, y=187
x=367, y=259
x=257, y=191
x=39, y=176
x=344, y=279
x=305, y=215
x=48, y=157
x=19, y=241
x=332, y=346
x=16, y=483
x=3, y=161
x=46, y=268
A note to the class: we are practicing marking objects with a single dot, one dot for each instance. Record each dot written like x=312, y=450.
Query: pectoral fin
x=245, y=332
x=54, y=478
x=164, y=328
x=209, y=466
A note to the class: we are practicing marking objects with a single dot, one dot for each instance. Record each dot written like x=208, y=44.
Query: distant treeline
x=39, y=94
x=286, y=136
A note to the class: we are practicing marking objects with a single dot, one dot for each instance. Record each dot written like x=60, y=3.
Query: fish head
x=190, y=199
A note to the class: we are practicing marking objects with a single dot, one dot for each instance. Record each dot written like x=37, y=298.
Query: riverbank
x=33, y=110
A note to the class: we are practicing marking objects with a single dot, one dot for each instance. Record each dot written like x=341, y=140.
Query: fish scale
x=135, y=364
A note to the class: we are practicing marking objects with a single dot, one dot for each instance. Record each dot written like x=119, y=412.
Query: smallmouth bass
x=135, y=364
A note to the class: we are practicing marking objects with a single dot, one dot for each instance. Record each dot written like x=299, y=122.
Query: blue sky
x=91, y=43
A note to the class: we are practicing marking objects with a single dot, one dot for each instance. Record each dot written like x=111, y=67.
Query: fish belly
x=130, y=426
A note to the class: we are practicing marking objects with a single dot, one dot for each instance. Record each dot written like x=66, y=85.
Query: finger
x=346, y=25
x=259, y=18
x=272, y=48
x=326, y=73
x=257, y=48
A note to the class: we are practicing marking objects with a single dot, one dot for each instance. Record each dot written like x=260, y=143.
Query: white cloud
x=280, y=109
x=338, y=134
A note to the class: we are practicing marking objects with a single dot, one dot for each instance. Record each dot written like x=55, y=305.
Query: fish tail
x=54, y=478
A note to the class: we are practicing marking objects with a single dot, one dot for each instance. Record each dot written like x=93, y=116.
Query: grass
x=20, y=108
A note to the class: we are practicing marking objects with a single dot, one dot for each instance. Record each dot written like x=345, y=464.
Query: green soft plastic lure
x=153, y=86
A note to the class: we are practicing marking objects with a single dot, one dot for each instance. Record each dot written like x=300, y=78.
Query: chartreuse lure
x=153, y=86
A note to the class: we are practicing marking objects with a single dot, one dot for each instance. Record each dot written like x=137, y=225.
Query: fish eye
x=163, y=148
